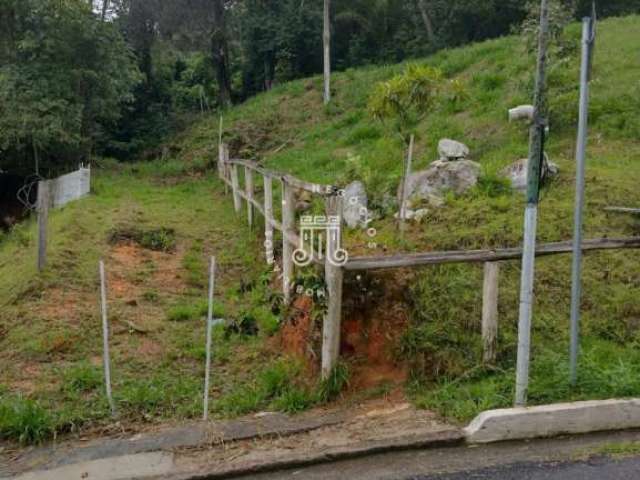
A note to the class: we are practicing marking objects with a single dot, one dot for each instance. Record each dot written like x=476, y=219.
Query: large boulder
x=452, y=150
x=516, y=173
x=441, y=177
x=354, y=205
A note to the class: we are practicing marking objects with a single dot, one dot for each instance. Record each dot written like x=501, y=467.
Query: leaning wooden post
x=237, y=201
x=490, y=312
x=404, y=190
x=105, y=338
x=333, y=275
x=268, y=219
x=43, y=220
x=288, y=228
x=248, y=188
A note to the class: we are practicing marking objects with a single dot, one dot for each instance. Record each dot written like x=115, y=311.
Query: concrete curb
x=552, y=420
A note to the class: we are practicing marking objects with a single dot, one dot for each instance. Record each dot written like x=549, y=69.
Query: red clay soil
x=371, y=327
x=298, y=332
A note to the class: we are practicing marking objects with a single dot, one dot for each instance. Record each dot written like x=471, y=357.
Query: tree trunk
x=426, y=19
x=105, y=7
x=269, y=70
x=327, y=51
x=220, y=54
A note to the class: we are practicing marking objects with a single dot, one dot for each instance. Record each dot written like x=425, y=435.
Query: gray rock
x=452, y=150
x=417, y=215
x=441, y=177
x=516, y=173
x=354, y=205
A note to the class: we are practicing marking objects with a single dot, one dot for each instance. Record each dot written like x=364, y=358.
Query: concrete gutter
x=176, y=459
x=156, y=465
x=327, y=455
x=552, y=420
x=142, y=465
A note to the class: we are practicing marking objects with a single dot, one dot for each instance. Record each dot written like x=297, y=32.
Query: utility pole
x=588, y=42
x=326, y=38
x=536, y=155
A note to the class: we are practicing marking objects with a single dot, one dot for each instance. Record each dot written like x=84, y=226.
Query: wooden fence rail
x=228, y=172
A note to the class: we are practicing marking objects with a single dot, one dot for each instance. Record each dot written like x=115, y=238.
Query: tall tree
x=220, y=52
x=426, y=19
x=105, y=7
x=57, y=97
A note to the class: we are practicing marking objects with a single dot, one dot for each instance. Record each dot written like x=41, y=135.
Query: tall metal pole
x=536, y=153
x=588, y=37
x=207, y=370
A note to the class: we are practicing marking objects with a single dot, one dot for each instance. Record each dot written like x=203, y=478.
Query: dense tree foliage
x=64, y=76
x=113, y=77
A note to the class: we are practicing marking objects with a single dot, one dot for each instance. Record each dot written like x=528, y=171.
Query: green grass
x=50, y=330
x=50, y=342
x=288, y=129
x=24, y=420
x=282, y=386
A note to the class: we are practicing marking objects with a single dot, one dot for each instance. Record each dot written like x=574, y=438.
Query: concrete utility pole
x=588, y=41
x=326, y=37
x=536, y=156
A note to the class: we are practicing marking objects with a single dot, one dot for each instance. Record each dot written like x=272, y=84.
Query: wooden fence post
x=43, y=220
x=333, y=275
x=207, y=369
x=225, y=166
x=220, y=161
x=268, y=218
x=237, y=201
x=405, y=179
x=248, y=188
x=288, y=227
x=490, y=311
x=106, y=360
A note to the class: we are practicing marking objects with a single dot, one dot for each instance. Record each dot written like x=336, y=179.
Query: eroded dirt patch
x=375, y=316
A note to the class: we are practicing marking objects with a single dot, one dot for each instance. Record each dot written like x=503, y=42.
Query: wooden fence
x=228, y=172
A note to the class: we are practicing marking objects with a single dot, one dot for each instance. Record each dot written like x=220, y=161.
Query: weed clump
x=160, y=239
x=25, y=421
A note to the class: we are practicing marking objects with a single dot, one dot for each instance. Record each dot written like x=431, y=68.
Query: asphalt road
x=594, y=469
x=567, y=458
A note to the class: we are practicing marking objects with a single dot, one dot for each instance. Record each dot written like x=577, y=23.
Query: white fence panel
x=70, y=187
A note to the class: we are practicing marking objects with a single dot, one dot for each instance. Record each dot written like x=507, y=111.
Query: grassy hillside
x=289, y=129
x=156, y=224
x=155, y=232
